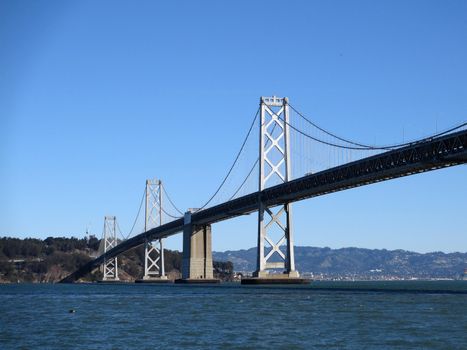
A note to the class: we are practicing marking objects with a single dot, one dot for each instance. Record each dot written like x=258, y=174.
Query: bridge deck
x=421, y=156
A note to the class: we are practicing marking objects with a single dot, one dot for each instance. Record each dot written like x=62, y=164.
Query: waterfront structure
x=154, y=268
x=110, y=266
x=439, y=151
x=274, y=117
x=197, y=252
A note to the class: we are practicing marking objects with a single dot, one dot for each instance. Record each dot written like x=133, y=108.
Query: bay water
x=323, y=315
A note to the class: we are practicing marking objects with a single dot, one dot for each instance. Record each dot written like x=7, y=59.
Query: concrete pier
x=276, y=279
x=197, y=253
x=154, y=280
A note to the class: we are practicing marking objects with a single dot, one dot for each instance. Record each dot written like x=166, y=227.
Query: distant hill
x=51, y=259
x=359, y=262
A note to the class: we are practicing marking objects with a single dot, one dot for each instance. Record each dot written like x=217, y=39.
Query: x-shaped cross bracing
x=274, y=143
x=110, y=268
x=153, y=217
x=153, y=252
x=275, y=247
x=153, y=262
x=274, y=136
x=110, y=241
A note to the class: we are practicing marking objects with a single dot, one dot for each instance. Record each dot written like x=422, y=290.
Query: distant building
x=465, y=275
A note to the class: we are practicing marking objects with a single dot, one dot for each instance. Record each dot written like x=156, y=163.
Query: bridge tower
x=153, y=250
x=110, y=266
x=274, y=165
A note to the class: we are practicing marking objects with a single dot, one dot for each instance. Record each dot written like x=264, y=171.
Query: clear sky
x=97, y=96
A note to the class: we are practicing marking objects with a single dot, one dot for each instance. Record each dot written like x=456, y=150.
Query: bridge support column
x=197, y=253
x=275, y=236
x=154, y=269
x=110, y=266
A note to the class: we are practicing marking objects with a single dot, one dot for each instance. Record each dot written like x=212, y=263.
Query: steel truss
x=153, y=250
x=110, y=241
x=274, y=150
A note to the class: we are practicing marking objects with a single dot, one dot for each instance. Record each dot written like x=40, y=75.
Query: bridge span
x=420, y=156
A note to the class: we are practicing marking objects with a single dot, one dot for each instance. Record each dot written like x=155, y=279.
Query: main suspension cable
x=324, y=142
x=254, y=165
x=170, y=215
x=120, y=231
x=165, y=212
x=387, y=148
x=137, y=215
x=363, y=146
x=245, y=180
x=233, y=165
x=171, y=202
x=329, y=133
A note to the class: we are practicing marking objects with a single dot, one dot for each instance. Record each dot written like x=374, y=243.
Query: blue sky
x=95, y=97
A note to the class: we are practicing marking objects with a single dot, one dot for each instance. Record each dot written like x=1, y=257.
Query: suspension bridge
x=297, y=160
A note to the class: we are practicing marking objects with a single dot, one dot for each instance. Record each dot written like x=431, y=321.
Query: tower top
x=274, y=100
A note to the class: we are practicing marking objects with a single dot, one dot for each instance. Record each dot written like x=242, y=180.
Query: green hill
x=51, y=259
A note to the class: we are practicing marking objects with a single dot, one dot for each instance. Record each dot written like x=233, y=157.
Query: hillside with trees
x=51, y=259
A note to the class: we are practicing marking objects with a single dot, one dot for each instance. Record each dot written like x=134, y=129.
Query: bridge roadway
x=418, y=157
